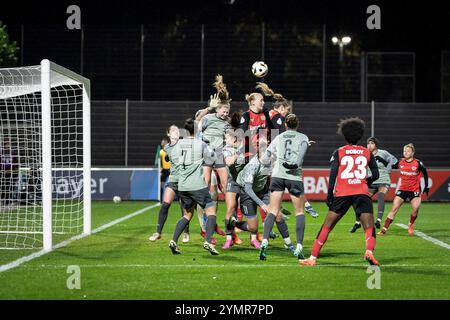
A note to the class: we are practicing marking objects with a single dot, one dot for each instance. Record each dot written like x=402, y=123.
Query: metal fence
x=445, y=76
x=128, y=133
x=179, y=61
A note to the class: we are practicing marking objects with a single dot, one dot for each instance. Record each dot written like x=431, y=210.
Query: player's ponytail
x=222, y=91
x=268, y=92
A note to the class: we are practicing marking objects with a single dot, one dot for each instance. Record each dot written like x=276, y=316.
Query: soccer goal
x=45, y=182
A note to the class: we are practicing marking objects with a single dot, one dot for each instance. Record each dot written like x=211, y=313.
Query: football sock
x=210, y=226
x=263, y=215
x=181, y=224
x=283, y=228
x=228, y=231
x=370, y=238
x=300, y=227
x=412, y=219
x=186, y=230
x=253, y=236
x=387, y=223
x=320, y=240
x=162, y=216
x=239, y=214
x=380, y=205
x=268, y=225
x=201, y=219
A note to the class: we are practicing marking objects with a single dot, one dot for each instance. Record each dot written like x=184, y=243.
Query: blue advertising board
x=129, y=184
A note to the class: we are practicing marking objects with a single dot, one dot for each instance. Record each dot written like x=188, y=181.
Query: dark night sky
x=422, y=27
x=406, y=25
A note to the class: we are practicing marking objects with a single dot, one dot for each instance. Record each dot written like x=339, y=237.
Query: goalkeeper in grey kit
x=385, y=161
x=192, y=187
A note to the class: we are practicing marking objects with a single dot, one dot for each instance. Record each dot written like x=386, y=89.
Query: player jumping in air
x=348, y=187
x=255, y=122
x=288, y=149
x=385, y=161
x=171, y=189
x=280, y=109
x=192, y=186
x=409, y=189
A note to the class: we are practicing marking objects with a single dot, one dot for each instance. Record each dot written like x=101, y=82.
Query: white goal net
x=44, y=156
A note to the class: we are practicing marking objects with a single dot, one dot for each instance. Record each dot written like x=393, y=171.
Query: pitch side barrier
x=315, y=181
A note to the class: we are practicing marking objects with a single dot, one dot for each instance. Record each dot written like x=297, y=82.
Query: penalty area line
x=40, y=253
x=426, y=237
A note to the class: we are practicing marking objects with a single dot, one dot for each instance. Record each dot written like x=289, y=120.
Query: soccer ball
x=116, y=199
x=260, y=69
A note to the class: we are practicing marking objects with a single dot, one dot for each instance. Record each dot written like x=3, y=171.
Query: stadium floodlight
x=45, y=117
x=346, y=40
x=341, y=42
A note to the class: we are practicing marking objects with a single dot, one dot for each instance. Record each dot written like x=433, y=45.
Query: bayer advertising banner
x=129, y=184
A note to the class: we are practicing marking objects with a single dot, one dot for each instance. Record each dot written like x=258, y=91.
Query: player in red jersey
x=409, y=189
x=348, y=186
x=255, y=122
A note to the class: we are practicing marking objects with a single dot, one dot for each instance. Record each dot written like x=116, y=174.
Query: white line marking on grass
x=426, y=237
x=250, y=265
x=38, y=254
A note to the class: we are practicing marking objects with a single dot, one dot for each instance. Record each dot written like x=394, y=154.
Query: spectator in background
x=9, y=173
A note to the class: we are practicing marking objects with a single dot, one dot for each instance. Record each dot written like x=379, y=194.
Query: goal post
x=45, y=119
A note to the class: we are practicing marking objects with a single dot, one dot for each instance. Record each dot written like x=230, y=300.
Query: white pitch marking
x=426, y=237
x=250, y=265
x=40, y=253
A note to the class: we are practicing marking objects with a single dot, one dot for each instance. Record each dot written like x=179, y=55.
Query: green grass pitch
x=121, y=263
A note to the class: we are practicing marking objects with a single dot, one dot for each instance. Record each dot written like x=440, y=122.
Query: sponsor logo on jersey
x=354, y=181
x=354, y=151
x=406, y=173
